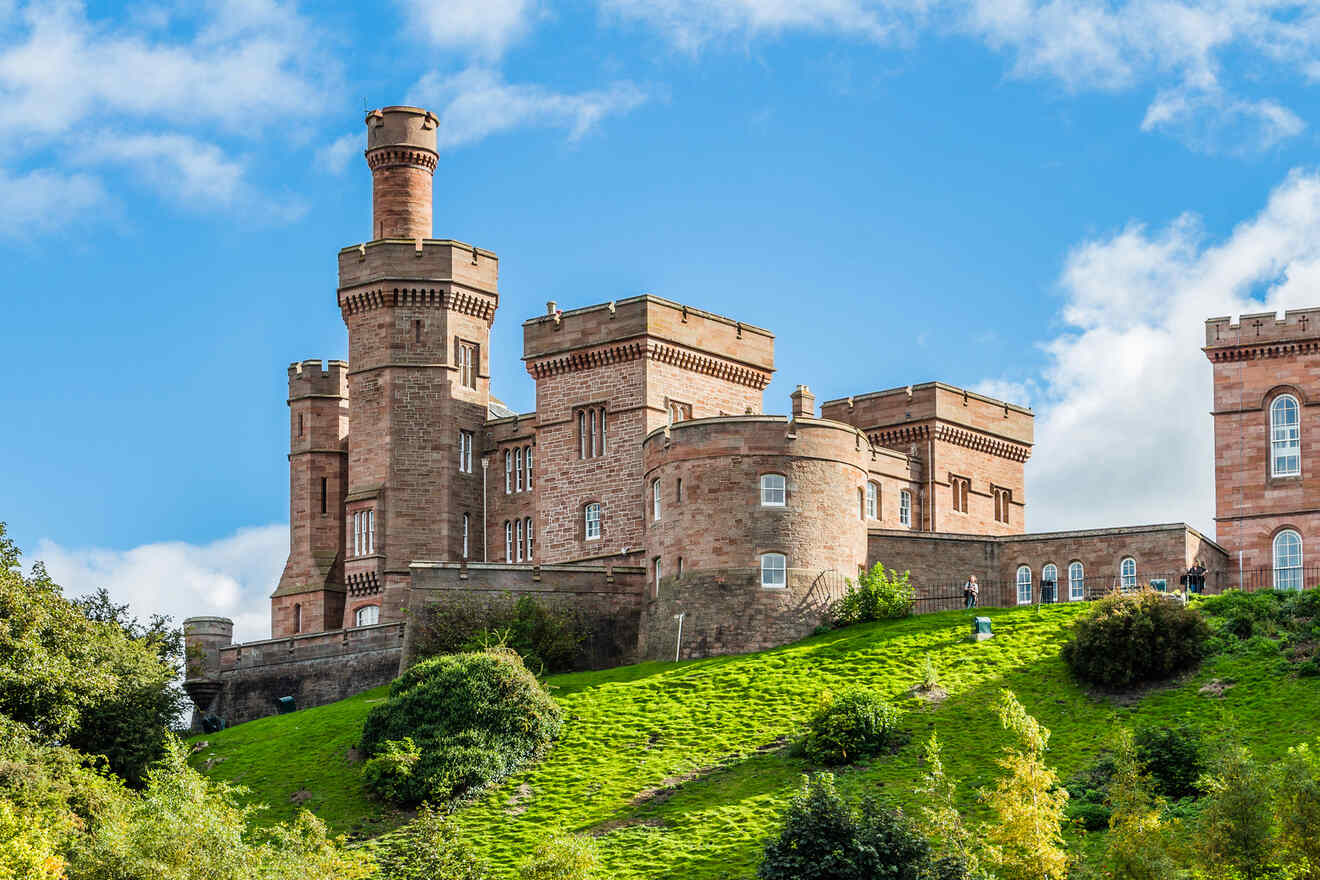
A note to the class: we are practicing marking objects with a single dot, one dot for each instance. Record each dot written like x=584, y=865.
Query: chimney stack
x=804, y=402
x=401, y=153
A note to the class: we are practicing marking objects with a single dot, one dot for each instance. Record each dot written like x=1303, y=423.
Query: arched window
x=1076, y=582
x=527, y=527
x=466, y=522
x=508, y=541
x=297, y=617
x=1127, y=574
x=905, y=508
x=591, y=520
x=872, y=501
x=1024, y=585
x=774, y=570
x=1049, y=580
x=1287, y=560
x=517, y=469
x=772, y=490
x=517, y=542
x=1285, y=437
x=368, y=615
x=655, y=500
x=508, y=472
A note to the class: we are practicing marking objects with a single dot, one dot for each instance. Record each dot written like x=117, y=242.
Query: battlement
x=907, y=408
x=1263, y=328
x=312, y=378
x=380, y=264
x=661, y=329
x=401, y=127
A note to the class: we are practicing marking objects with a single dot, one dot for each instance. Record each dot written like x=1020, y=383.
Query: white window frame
x=1288, y=575
x=357, y=533
x=774, y=571
x=508, y=471
x=872, y=499
x=771, y=495
x=528, y=459
x=592, y=419
x=466, y=523
x=518, y=540
x=518, y=469
x=467, y=374
x=1045, y=576
x=1024, y=580
x=655, y=500
x=655, y=563
x=508, y=542
x=1285, y=437
x=465, y=452
x=904, y=507
x=1076, y=582
x=591, y=521
x=582, y=433
x=528, y=522
x=371, y=612
x=1127, y=581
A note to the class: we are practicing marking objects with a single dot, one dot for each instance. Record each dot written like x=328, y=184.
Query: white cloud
x=334, y=157
x=232, y=577
x=476, y=103
x=41, y=200
x=1179, y=48
x=1123, y=434
x=484, y=28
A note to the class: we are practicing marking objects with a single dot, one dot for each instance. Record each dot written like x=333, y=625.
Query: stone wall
x=604, y=601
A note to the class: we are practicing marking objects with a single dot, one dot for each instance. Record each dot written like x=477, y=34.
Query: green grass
x=681, y=769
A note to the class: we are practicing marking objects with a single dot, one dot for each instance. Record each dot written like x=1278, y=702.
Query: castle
x=649, y=494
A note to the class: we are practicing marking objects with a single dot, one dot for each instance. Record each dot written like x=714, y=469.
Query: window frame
x=467, y=522
x=518, y=469
x=1124, y=577
x=518, y=540
x=1293, y=579
x=508, y=542
x=465, y=439
x=782, y=490
x=371, y=610
x=588, y=520
x=872, y=500
x=1080, y=580
x=528, y=533
x=960, y=489
x=1020, y=582
x=905, y=507
x=1291, y=442
x=467, y=364
x=508, y=472
x=528, y=459
x=781, y=569
x=655, y=500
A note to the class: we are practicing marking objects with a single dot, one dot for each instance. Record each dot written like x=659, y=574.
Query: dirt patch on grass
x=932, y=696
x=352, y=755
x=615, y=824
x=1215, y=688
x=516, y=805
x=302, y=795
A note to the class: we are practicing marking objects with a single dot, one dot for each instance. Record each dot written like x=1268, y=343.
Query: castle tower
x=418, y=312
x=310, y=595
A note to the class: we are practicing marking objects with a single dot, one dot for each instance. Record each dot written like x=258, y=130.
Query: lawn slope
x=681, y=769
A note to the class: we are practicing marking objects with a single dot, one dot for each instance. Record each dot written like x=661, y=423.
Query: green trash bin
x=981, y=629
x=285, y=705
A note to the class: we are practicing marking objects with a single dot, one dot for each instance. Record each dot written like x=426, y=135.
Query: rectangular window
x=772, y=490
x=508, y=472
x=300, y=425
x=357, y=534
x=518, y=468
x=517, y=540
x=774, y=570
x=371, y=531
x=528, y=525
x=508, y=541
x=529, y=468
x=960, y=487
x=872, y=501
x=1002, y=499
x=324, y=493
x=465, y=452
x=656, y=564
x=591, y=432
x=466, y=520
x=655, y=500
x=592, y=520
x=678, y=491
x=905, y=508
x=467, y=364
x=594, y=442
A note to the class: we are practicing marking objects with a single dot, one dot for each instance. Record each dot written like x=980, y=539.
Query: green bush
x=475, y=718
x=853, y=725
x=1130, y=639
x=1174, y=758
x=825, y=838
x=429, y=848
x=547, y=641
x=877, y=595
x=1090, y=815
x=562, y=857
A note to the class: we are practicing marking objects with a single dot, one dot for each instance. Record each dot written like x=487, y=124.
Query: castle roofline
x=659, y=300
x=449, y=242
x=786, y=421
x=942, y=386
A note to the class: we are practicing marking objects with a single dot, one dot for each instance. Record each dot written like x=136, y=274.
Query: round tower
x=203, y=637
x=401, y=153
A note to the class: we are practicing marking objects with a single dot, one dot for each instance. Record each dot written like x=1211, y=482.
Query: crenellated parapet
x=1263, y=335
x=315, y=378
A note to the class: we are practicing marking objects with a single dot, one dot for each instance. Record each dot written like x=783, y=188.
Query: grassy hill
x=681, y=769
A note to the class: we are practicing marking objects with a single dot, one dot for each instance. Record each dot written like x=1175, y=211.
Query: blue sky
x=1038, y=200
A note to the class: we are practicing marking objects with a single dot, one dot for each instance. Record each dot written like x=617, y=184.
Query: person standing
x=971, y=591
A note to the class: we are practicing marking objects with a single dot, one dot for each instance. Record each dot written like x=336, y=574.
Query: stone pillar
x=804, y=402
x=401, y=152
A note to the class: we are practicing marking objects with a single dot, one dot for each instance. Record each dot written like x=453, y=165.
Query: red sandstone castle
x=649, y=494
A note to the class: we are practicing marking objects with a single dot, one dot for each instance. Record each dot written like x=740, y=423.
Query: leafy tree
x=1297, y=804
x=1174, y=757
x=941, y=821
x=86, y=683
x=1141, y=845
x=1025, y=842
x=1130, y=639
x=1236, y=829
x=877, y=595
x=562, y=857
x=825, y=838
x=429, y=848
x=850, y=726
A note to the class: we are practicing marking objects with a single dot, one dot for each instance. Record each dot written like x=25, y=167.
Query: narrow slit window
x=528, y=459
x=508, y=471
x=466, y=523
x=518, y=468
x=527, y=527
x=508, y=541
x=518, y=540
x=325, y=491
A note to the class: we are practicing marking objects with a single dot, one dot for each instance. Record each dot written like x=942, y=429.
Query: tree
x=877, y=595
x=429, y=848
x=1236, y=828
x=1025, y=842
x=1141, y=845
x=950, y=839
x=562, y=857
x=1297, y=804
x=85, y=683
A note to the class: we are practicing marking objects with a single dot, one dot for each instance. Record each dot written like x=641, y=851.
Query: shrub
x=1174, y=759
x=825, y=838
x=547, y=641
x=1236, y=829
x=930, y=677
x=851, y=726
x=562, y=857
x=429, y=848
x=1130, y=639
x=1297, y=804
x=877, y=595
x=475, y=718
x=1090, y=815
